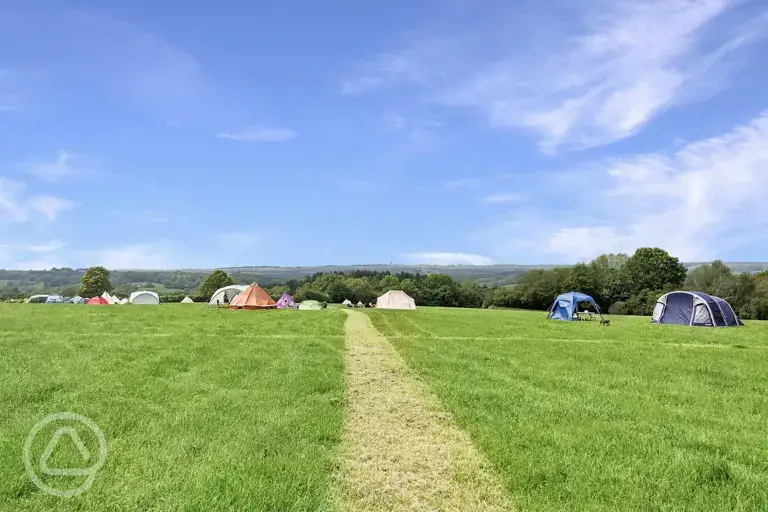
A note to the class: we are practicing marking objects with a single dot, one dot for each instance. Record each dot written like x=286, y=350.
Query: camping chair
x=604, y=321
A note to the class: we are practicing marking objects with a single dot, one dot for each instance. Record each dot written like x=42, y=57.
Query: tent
x=286, y=301
x=395, y=299
x=226, y=294
x=123, y=301
x=253, y=297
x=106, y=296
x=347, y=303
x=310, y=304
x=694, y=308
x=38, y=299
x=54, y=299
x=97, y=301
x=77, y=300
x=187, y=300
x=360, y=304
x=565, y=306
x=144, y=297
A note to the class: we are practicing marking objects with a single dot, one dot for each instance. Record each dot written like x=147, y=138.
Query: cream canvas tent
x=144, y=297
x=123, y=301
x=395, y=299
x=347, y=303
x=107, y=297
x=187, y=300
x=226, y=294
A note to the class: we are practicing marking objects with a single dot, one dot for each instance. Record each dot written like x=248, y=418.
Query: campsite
x=252, y=404
x=344, y=391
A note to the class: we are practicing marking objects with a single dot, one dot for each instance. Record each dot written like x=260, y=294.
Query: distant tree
x=69, y=291
x=707, y=278
x=360, y=289
x=95, y=282
x=653, y=269
x=9, y=292
x=276, y=291
x=389, y=282
x=215, y=280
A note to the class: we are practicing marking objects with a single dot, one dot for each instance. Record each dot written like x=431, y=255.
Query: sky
x=210, y=134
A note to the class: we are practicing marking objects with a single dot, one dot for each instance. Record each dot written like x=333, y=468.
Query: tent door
x=701, y=316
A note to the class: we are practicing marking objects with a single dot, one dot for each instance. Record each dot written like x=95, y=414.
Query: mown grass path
x=402, y=451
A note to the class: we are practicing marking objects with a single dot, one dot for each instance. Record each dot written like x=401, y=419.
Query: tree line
x=365, y=286
x=620, y=284
x=630, y=285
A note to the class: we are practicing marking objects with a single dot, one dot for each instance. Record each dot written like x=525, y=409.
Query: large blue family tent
x=566, y=306
x=694, y=308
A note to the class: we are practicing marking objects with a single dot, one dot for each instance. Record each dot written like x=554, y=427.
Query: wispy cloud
x=122, y=61
x=502, y=198
x=155, y=255
x=50, y=206
x=448, y=258
x=66, y=165
x=256, y=134
x=697, y=201
x=599, y=81
x=16, y=206
x=45, y=248
x=417, y=131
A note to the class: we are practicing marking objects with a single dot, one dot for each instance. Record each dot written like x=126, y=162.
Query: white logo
x=46, y=469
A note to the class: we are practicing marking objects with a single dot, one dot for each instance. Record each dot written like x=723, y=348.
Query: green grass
x=576, y=416
x=203, y=409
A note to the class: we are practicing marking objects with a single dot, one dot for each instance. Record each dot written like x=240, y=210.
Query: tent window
x=658, y=310
x=701, y=315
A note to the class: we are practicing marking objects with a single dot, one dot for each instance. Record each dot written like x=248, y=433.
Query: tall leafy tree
x=215, y=280
x=651, y=268
x=95, y=282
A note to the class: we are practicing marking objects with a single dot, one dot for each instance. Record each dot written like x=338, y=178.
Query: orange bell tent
x=253, y=297
x=97, y=301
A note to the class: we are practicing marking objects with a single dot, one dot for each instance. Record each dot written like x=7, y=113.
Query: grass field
x=576, y=416
x=210, y=409
x=203, y=409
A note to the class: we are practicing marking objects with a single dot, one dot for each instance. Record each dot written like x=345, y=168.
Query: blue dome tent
x=694, y=308
x=564, y=307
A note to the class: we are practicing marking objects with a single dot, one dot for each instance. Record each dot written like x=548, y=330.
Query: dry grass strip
x=402, y=450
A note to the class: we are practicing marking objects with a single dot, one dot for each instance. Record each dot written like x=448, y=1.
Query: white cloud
x=12, y=208
x=502, y=198
x=448, y=258
x=697, y=202
x=48, y=247
x=260, y=135
x=611, y=72
x=66, y=165
x=17, y=207
x=50, y=206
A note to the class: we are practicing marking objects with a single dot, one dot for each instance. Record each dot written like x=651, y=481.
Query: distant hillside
x=188, y=280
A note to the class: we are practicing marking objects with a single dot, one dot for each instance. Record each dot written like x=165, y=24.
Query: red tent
x=97, y=301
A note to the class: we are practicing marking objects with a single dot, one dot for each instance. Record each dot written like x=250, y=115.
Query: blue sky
x=202, y=134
